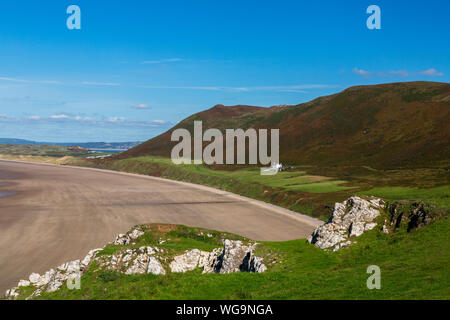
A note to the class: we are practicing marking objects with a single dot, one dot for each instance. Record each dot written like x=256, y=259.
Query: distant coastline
x=108, y=150
x=93, y=146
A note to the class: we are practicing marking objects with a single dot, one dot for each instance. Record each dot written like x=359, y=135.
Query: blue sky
x=137, y=67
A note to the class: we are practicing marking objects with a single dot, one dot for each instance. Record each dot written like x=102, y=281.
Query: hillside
x=382, y=126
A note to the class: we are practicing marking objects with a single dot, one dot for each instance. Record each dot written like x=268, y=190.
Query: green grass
x=413, y=266
x=439, y=196
x=320, y=187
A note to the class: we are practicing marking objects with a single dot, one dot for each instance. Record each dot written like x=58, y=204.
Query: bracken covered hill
x=381, y=126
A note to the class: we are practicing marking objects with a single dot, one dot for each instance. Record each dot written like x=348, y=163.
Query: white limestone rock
x=211, y=262
x=235, y=257
x=24, y=283
x=189, y=261
x=125, y=239
x=234, y=253
x=135, y=234
x=133, y=261
x=85, y=262
x=122, y=239
x=256, y=265
x=11, y=294
x=34, y=278
x=350, y=219
x=155, y=267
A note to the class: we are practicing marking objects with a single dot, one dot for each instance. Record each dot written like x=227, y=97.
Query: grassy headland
x=45, y=153
x=412, y=267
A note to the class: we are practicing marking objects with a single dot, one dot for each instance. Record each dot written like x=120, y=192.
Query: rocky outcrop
x=236, y=257
x=410, y=214
x=133, y=261
x=350, y=219
x=125, y=239
x=193, y=259
x=52, y=279
x=233, y=257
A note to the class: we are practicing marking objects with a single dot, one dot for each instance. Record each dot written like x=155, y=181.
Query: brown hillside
x=382, y=126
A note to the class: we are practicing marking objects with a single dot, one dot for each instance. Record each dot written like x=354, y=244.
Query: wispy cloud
x=162, y=61
x=402, y=73
x=284, y=88
x=67, y=118
x=59, y=116
x=288, y=88
x=85, y=83
x=17, y=80
x=361, y=72
x=13, y=79
x=432, y=72
x=141, y=106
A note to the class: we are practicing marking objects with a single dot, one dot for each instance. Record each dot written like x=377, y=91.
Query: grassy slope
x=439, y=196
x=413, y=266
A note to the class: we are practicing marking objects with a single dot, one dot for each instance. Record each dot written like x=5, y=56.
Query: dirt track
x=59, y=213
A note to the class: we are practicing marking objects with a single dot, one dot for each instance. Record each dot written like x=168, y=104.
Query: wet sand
x=59, y=213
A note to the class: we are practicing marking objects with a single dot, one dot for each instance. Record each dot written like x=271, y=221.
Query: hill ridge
x=382, y=126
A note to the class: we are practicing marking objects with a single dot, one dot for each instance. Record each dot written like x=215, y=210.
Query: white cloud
x=361, y=72
x=59, y=116
x=12, y=79
x=9, y=79
x=70, y=119
x=79, y=118
x=401, y=73
x=141, y=106
x=431, y=72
